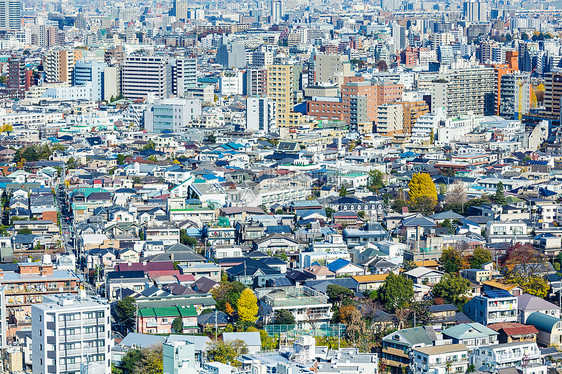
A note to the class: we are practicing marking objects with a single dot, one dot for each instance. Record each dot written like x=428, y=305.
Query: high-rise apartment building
x=553, y=92
x=390, y=119
x=255, y=82
x=143, y=75
x=180, y=9
x=59, y=64
x=399, y=37
x=71, y=334
x=10, y=15
x=260, y=114
x=464, y=89
x=412, y=110
x=475, y=11
x=279, y=89
x=515, y=95
x=19, y=78
x=277, y=11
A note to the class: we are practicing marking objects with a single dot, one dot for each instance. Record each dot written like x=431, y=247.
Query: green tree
x=152, y=158
x=452, y=288
x=227, y=292
x=431, y=137
x=227, y=353
x=329, y=212
x=284, y=317
x=343, y=191
x=25, y=231
x=211, y=138
x=129, y=361
x=479, y=257
x=125, y=310
x=337, y=294
x=451, y=260
x=499, y=196
x=186, y=239
x=151, y=361
x=247, y=306
x=148, y=146
x=422, y=191
x=177, y=325
x=376, y=180
x=396, y=292
x=71, y=163
x=120, y=159
x=534, y=285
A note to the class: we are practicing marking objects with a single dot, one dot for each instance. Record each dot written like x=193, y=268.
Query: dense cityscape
x=281, y=187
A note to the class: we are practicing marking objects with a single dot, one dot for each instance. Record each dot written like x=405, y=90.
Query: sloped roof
x=531, y=302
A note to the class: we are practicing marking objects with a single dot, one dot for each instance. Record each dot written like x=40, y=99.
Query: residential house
x=492, y=307
x=510, y=332
x=528, y=304
x=425, y=276
x=397, y=347
x=549, y=327
x=471, y=335
x=159, y=320
x=440, y=359
x=500, y=356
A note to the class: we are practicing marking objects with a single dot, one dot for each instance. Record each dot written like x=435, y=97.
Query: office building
x=143, y=75
x=255, y=82
x=180, y=9
x=184, y=74
x=171, y=115
x=465, y=90
x=260, y=114
x=231, y=83
x=91, y=71
x=399, y=37
x=71, y=334
x=59, y=64
x=232, y=56
x=277, y=11
x=10, y=15
x=515, y=95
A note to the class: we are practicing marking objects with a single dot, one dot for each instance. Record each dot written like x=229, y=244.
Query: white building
x=173, y=115
x=390, y=119
x=231, y=83
x=260, y=114
x=70, y=332
x=440, y=359
x=505, y=355
x=146, y=74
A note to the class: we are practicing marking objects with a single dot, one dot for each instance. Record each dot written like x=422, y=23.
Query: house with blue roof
x=345, y=267
x=492, y=307
x=472, y=335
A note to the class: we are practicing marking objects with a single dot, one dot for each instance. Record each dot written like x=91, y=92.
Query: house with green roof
x=549, y=327
x=472, y=335
x=159, y=320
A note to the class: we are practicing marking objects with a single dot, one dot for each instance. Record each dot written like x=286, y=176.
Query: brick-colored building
x=412, y=110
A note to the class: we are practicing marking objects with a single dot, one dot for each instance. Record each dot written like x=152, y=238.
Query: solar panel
x=498, y=293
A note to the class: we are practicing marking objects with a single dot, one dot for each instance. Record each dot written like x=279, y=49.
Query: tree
x=25, y=231
x=177, y=325
x=524, y=36
x=247, y=306
x=337, y=294
x=228, y=292
x=329, y=212
x=211, y=138
x=456, y=195
x=451, y=260
x=151, y=361
x=228, y=352
x=534, y=286
x=382, y=65
x=431, y=136
x=479, y=257
x=356, y=326
x=186, y=239
x=343, y=191
x=129, y=361
x=523, y=260
x=499, y=196
x=396, y=292
x=126, y=311
x=148, y=146
x=284, y=317
x=452, y=289
x=376, y=180
x=71, y=163
x=422, y=191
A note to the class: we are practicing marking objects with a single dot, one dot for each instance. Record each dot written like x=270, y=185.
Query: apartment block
x=390, y=119
x=515, y=95
x=143, y=75
x=71, y=334
x=411, y=111
x=279, y=89
x=59, y=64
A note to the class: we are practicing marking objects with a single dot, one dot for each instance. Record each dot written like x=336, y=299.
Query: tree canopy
x=396, y=292
x=227, y=352
x=422, y=193
x=247, y=306
x=452, y=288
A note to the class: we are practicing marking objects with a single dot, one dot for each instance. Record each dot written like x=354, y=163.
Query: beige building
x=59, y=64
x=329, y=67
x=279, y=89
x=390, y=119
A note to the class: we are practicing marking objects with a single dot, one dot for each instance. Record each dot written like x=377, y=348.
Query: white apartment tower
x=146, y=74
x=71, y=334
x=10, y=15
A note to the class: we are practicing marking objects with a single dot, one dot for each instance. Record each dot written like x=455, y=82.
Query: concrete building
x=492, y=307
x=440, y=359
x=184, y=74
x=411, y=111
x=255, y=81
x=143, y=75
x=178, y=357
x=331, y=67
x=464, y=89
x=91, y=71
x=279, y=89
x=59, y=64
x=71, y=333
x=515, y=95
x=390, y=119
x=475, y=11
x=232, y=56
x=111, y=82
x=10, y=15
x=231, y=83
x=520, y=355
x=277, y=11
x=553, y=92
x=171, y=115
x=260, y=114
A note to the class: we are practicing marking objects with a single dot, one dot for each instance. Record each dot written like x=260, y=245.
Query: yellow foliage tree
x=422, y=191
x=247, y=306
x=228, y=308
